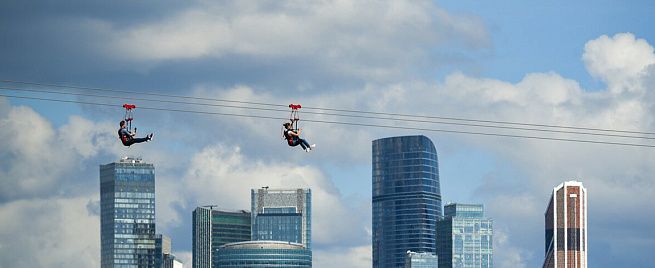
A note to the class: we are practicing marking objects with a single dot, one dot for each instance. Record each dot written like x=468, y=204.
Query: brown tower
x=566, y=227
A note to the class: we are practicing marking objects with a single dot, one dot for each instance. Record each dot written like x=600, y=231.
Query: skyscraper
x=465, y=237
x=421, y=260
x=406, y=198
x=213, y=228
x=566, y=227
x=282, y=215
x=127, y=214
x=163, y=246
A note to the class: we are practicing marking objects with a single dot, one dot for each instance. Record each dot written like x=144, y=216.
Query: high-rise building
x=282, y=215
x=163, y=246
x=421, y=260
x=566, y=227
x=127, y=214
x=213, y=228
x=264, y=254
x=406, y=198
x=465, y=237
x=170, y=261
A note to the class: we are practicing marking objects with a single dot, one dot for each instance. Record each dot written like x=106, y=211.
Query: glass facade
x=421, y=260
x=264, y=254
x=214, y=228
x=282, y=215
x=465, y=237
x=406, y=198
x=127, y=214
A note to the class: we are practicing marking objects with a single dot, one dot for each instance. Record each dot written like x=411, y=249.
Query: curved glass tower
x=406, y=198
x=264, y=254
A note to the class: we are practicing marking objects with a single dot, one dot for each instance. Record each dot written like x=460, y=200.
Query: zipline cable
x=331, y=109
x=347, y=123
x=332, y=114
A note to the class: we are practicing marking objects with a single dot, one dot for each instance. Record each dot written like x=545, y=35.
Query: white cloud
x=619, y=60
x=351, y=257
x=223, y=176
x=369, y=39
x=37, y=158
x=49, y=233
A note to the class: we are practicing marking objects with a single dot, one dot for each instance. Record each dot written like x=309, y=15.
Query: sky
x=587, y=64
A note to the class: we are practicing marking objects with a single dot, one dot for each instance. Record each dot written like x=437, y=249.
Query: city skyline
x=516, y=96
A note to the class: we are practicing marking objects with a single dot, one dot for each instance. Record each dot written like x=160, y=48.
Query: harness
x=124, y=137
x=290, y=138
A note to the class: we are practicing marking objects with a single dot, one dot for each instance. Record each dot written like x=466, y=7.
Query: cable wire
x=346, y=123
x=335, y=110
x=331, y=114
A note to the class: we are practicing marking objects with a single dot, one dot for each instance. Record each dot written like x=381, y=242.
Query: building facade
x=566, y=227
x=406, y=198
x=213, y=228
x=163, y=246
x=170, y=261
x=465, y=237
x=254, y=254
x=127, y=214
x=421, y=260
x=282, y=215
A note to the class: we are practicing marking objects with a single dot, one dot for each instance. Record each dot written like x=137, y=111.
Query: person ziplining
x=125, y=133
x=293, y=135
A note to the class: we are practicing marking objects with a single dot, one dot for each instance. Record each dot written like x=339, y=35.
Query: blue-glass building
x=406, y=198
x=421, y=260
x=254, y=254
x=282, y=215
x=465, y=237
x=213, y=228
x=127, y=214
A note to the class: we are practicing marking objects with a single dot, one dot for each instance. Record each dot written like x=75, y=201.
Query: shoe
x=308, y=149
x=150, y=137
x=312, y=146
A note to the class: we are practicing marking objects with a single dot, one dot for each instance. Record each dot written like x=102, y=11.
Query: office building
x=163, y=246
x=213, y=228
x=465, y=237
x=406, y=198
x=127, y=214
x=282, y=215
x=421, y=260
x=254, y=254
x=566, y=227
x=170, y=261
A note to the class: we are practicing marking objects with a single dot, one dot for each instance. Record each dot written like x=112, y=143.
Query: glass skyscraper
x=214, y=228
x=421, y=260
x=282, y=215
x=264, y=254
x=566, y=227
x=406, y=198
x=127, y=214
x=465, y=237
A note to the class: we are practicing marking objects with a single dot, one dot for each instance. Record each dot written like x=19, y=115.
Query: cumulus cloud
x=49, y=232
x=619, y=61
x=222, y=175
x=367, y=39
x=36, y=156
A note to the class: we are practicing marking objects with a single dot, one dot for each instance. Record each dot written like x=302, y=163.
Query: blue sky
x=583, y=63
